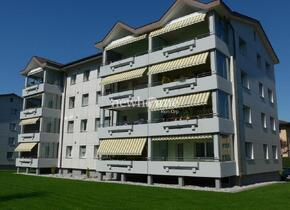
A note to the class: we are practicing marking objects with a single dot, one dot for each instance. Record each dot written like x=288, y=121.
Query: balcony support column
x=17, y=170
x=181, y=181
x=218, y=183
x=149, y=179
x=212, y=25
x=99, y=176
x=27, y=170
x=104, y=57
x=37, y=171
x=216, y=147
x=123, y=177
x=150, y=44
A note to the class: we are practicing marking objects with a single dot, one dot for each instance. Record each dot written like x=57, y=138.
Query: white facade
x=223, y=128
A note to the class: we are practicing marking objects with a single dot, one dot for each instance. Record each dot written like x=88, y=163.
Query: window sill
x=68, y=158
x=85, y=105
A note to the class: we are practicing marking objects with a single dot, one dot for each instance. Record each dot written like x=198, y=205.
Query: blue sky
x=66, y=30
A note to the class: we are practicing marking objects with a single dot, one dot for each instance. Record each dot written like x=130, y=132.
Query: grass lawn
x=29, y=192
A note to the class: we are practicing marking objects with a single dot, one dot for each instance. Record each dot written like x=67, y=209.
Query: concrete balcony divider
x=44, y=87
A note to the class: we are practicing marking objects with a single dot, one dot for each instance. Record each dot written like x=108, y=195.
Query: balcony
x=124, y=65
x=37, y=137
x=124, y=97
x=35, y=163
x=39, y=112
x=192, y=126
x=40, y=88
x=213, y=169
x=123, y=131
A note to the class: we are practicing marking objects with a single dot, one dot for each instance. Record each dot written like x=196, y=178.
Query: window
x=68, y=152
x=245, y=80
x=267, y=65
x=264, y=120
x=226, y=147
x=274, y=152
x=249, y=150
x=11, y=100
x=98, y=94
x=247, y=115
x=85, y=100
x=107, y=122
x=224, y=107
x=86, y=76
x=97, y=123
x=11, y=141
x=266, y=151
x=84, y=125
x=71, y=102
x=222, y=65
x=12, y=127
x=200, y=150
x=271, y=96
x=259, y=60
x=96, y=147
x=242, y=47
x=73, y=79
x=209, y=149
x=83, y=151
x=273, y=124
x=261, y=90
x=70, y=126
x=9, y=155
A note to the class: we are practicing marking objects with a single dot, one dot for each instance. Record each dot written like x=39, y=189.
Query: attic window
x=242, y=47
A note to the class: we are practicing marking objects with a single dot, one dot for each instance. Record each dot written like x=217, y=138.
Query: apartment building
x=11, y=105
x=284, y=133
x=189, y=98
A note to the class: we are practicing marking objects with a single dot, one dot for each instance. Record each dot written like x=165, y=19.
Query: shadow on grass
x=19, y=196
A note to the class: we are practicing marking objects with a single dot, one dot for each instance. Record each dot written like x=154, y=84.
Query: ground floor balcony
x=209, y=169
x=36, y=162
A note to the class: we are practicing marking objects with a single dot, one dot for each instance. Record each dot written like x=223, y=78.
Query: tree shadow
x=19, y=196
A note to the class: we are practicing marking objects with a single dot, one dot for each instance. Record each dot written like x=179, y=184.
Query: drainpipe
x=62, y=124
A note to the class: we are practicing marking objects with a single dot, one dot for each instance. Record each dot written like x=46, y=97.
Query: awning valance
x=181, y=63
x=30, y=121
x=198, y=99
x=182, y=138
x=179, y=23
x=125, y=41
x=120, y=147
x=25, y=147
x=124, y=76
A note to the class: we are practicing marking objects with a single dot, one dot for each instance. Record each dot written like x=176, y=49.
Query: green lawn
x=29, y=192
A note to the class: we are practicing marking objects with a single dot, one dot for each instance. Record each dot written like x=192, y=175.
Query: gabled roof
x=37, y=61
x=217, y=5
x=10, y=95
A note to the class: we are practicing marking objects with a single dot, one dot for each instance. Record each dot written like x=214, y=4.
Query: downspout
x=240, y=169
x=62, y=124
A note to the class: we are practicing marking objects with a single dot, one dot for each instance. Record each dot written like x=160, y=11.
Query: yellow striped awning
x=125, y=41
x=206, y=137
x=118, y=147
x=178, y=24
x=198, y=99
x=124, y=76
x=29, y=121
x=181, y=63
x=25, y=147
